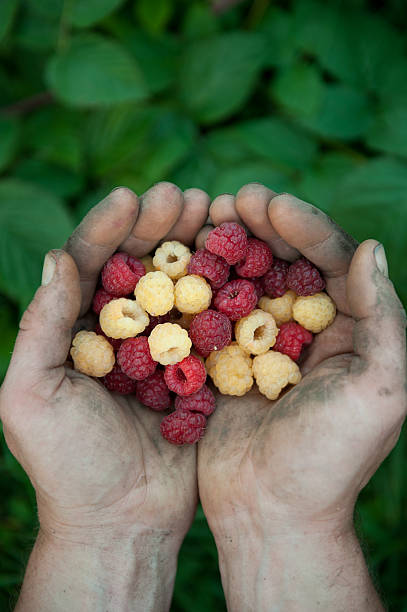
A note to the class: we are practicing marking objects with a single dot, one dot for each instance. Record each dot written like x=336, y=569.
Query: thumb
x=379, y=333
x=44, y=338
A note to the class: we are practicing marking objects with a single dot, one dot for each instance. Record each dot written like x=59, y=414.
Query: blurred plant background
x=305, y=96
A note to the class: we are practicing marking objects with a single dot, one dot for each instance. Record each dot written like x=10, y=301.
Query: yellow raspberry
x=231, y=370
x=192, y=294
x=281, y=308
x=155, y=293
x=123, y=318
x=169, y=343
x=273, y=371
x=314, y=312
x=257, y=332
x=92, y=354
x=148, y=263
x=172, y=257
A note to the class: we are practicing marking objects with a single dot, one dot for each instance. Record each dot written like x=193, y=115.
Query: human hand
x=280, y=495
x=104, y=477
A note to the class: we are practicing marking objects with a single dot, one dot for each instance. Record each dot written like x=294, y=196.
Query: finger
x=202, y=236
x=160, y=208
x=223, y=210
x=98, y=236
x=44, y=338
x=334, y=340
x=379, y=333
x=193, y=216
x=317, y=237
x=252, y=202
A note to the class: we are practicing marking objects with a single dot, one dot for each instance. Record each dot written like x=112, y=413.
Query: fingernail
x=48, y=269
x=381, y=260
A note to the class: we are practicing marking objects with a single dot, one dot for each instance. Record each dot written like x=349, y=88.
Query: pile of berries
x=167, y=321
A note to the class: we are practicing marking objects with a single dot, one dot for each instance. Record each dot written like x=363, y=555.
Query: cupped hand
x=300, y=462
x=96, y=459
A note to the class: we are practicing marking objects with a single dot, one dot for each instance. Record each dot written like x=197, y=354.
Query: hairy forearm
x=295, y=571
x=137, y=574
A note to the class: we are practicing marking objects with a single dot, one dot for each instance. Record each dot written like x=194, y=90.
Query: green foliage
x=308, y=96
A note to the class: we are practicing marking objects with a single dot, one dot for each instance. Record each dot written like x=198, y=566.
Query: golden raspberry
x=155, y=293
x=281, y=308
x=273, y=371
x=231, y=370
x=123, y=318
x=92, y=354
x=148, y=263
x=172, y=257
x=314, y=312
x=257, y=332
x=192, y=294
x=169, y=343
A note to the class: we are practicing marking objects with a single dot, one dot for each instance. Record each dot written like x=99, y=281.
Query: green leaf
x=154, y=16
x=278, y=26
x=32, y=221
x=200, y=21
x=9, y=138
x=8, y=9
x=218, y=74
x=36, y=32
x=278, y=141
x=230, y=180
x=8, y=332
x=85, y=13
x=389, y=132
x=299, y=89
x=59, y=181
x=47, y=8
x=93, y=71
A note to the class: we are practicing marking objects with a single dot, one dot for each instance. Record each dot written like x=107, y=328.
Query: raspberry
x=192, y=294
x=155, y=293
x=92, y=354
x=230, y=370
x=185, y=377
x=202, y=401
x=236, y=299
x=148, y=263
x=123, y=318
x=115, y=342
x=291, y=338
x=121, y=273
x=154, y=321
x=257, y=261
x=135, y=359
x=210, y=331
x=229, y=240
x=211, y=266
x=100, y=299
x=118, y=381
x=172, y=257
x=259, y=286
x=281, y=308
x=169, y=343
x=183, y=427
x=275, y=279
x=153, y=392
x=257, y=332
x=273, y=371
x=304, y=278
x=314, y=312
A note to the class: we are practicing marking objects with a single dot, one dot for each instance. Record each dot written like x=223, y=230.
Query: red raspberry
x=100, y=299
x=153, y=391
x=257, y=261
x=229, y=240
x=275, y=279
x=259, y=286
x=211, y=266
x=118, y=381
x=202, y=401
x=135, y=359
x=185, y=377
x=156, y=321
x=121, y=273
x=291, y=338
x=210, y=331
x=304, y=278
x=236, y=299
x=183, y=427
x=116, y=343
